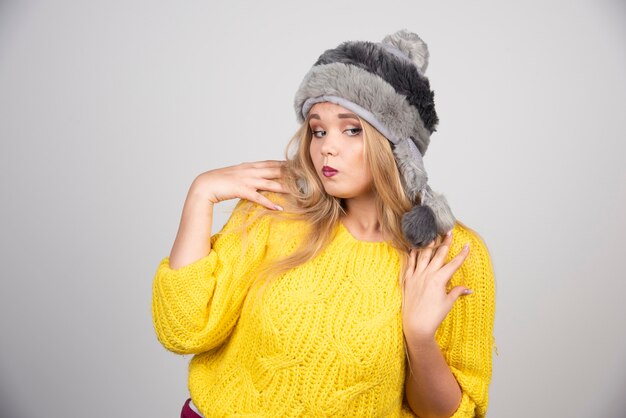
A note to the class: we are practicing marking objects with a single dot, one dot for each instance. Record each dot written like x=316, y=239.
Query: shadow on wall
x=7, y=408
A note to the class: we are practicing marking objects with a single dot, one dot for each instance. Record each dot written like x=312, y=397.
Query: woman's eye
x=351, y=132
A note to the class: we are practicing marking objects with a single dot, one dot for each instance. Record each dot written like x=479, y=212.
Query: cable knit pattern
x=327, y=338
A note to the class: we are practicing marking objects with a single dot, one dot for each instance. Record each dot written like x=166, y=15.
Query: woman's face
x=336, y=150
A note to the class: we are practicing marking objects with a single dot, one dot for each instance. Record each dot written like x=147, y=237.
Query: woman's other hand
x=426, y=300
x=242, y=181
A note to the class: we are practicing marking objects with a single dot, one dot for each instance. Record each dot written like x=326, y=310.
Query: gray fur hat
x=384, y=83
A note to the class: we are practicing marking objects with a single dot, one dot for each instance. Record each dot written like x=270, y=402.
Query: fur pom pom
x=441, y=210
x=419, y=226
x=411, y=45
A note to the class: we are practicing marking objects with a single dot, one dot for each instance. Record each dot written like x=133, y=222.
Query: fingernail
x=468, y=291
x=448, y=233
x=466, y=246
x=278, y=207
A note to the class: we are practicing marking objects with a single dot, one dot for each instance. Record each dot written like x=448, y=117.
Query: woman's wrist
x=421, y=343
x=202, y=192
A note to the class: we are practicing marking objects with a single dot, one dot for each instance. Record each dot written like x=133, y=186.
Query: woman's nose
x=329, y=144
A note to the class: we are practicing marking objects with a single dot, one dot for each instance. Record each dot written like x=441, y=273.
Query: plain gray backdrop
x=109, y=109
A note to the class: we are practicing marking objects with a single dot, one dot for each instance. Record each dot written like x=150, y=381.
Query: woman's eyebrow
x=340, y=116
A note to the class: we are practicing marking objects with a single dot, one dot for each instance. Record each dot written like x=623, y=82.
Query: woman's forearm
x=431, y=388
x=241, y=181
x=193, y=240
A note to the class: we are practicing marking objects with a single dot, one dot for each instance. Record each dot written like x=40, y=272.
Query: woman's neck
x=361, y=218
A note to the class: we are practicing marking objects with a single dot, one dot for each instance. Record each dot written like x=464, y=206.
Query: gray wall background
x=108, y=110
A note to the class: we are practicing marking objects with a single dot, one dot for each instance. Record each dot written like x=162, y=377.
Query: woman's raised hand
x=426, y=300
x=193, y=240
x=242, y=181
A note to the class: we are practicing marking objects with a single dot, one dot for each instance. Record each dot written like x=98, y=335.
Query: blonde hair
x=308, y=201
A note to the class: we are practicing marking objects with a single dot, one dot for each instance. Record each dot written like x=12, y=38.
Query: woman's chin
x=334, y=192
x=339, y=194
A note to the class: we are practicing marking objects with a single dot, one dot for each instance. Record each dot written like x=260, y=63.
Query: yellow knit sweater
x=327, y=338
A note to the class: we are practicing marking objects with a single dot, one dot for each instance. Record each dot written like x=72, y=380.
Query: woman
x=341, y=285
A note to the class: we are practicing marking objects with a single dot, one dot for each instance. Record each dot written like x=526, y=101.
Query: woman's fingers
x=410, y=268
x=431, y=261
x=262, y=176
x=243, y=180
x=263, y=163
x=258, y=185
x=456, y=292
x=454, y=264
x=424, y=256
x=266, y=163
x=263, y=201
x=270, y=169
x=275, y=165
x=441, y=253
x=267, y=172
x=448, y=238
x=269, y=185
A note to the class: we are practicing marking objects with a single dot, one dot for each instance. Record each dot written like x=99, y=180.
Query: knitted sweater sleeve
x=466, y=335
x=195, y=307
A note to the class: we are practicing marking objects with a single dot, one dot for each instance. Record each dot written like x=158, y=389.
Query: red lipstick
x=329, y=171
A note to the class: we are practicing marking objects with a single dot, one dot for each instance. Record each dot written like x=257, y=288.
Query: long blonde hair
x=308, y=201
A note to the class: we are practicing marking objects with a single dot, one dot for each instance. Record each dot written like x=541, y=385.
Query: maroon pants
x=187, y=412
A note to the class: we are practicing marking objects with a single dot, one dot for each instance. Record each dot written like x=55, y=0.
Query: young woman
x=341, y=284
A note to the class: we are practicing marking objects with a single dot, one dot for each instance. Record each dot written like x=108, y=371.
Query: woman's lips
x=329, y=171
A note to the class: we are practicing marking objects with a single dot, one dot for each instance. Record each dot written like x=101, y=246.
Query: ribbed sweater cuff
x=179, y=302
